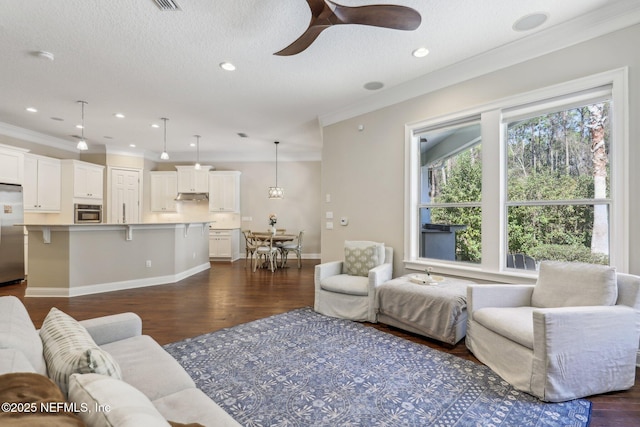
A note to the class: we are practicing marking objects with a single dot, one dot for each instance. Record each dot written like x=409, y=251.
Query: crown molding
x=37, y=137
x=583, y=28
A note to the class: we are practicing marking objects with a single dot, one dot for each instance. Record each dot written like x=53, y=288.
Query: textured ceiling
x=128, y=56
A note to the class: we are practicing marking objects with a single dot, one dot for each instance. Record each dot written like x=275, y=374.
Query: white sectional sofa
x=146, y=372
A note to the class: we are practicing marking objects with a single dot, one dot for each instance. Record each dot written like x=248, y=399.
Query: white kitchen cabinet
x=192, y=180
x=85, y=178
x=224, y=191
x=41, y=188
x=224, y=244
x=11, y=164
x=164, y=188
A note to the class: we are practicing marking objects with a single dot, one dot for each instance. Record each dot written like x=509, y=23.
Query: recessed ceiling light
x=108, y=137
x=155, y=125
x=531, y=21
x=227, y=66
x=31, y=109
x=44, y=55
x=192, y=144
x=132, y=145
x=373, y=85
x=79, y=127
x=420, y=52
x=119, y=115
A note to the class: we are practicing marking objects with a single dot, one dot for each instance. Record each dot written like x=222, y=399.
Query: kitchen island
x=67, y=260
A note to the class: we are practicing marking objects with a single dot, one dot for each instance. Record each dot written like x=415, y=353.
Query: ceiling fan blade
x=302, y=42
x=378, y=15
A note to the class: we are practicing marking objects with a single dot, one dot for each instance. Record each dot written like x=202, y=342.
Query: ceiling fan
x=326, y=13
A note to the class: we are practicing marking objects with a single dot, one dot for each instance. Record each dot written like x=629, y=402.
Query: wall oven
x=87, y=213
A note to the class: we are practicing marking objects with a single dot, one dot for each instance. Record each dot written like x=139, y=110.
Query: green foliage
x=464, y=183
x=571, y=253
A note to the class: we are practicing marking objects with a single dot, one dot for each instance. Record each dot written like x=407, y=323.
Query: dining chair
x=266, y=251
x=250, y=246
x=296, y=247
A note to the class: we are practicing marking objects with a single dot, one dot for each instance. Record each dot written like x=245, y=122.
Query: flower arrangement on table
x=273, y=219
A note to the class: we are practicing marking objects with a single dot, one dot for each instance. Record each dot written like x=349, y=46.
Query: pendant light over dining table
x=82, y=144
x=164, y=155
x=276, y=192
x=197, y=165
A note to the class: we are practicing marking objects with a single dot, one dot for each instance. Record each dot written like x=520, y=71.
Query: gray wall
x=363, y=171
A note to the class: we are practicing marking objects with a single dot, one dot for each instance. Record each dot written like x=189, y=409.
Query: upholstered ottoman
x=436, y=311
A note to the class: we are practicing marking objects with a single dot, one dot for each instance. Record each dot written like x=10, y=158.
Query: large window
x=558, y=186
x=496, y=189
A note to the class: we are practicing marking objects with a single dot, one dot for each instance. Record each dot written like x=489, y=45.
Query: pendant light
x=276, y=192
x=165, y=155
x=197, y=165
x=82, y=144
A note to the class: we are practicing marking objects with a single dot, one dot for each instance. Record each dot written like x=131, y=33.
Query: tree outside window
x=558, y=196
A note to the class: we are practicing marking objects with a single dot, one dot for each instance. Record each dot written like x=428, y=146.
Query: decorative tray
x=425, y=279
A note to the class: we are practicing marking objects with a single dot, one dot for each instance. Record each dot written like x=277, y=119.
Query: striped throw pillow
x=69, y=349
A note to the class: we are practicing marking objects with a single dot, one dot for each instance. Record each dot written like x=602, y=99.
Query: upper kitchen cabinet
x=42, y=178
x=224, y=191
x=11, y=164
x=164, y=188
x=86, y=179
x=192, y=180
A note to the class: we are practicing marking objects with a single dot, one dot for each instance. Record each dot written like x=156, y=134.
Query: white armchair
x=575, y=333
x=347, y=289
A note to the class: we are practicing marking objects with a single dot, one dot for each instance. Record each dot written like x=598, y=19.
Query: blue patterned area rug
x=305, y=369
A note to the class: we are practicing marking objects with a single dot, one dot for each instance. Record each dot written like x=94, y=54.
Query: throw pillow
x=574, y=284
x=119, y=404
x=69, y=349
x=362, y=256
x=38, y=398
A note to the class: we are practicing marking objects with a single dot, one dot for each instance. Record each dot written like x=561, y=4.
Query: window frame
x=494, y=203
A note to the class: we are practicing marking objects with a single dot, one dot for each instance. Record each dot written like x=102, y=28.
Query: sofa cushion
x=361, y=256
x=69, y=349
x=17, y=331
x=141, y=359
x=192, y=405
x=123, y=405
x=13, y=360
x=514, y=323
x=573, y=284
x=43, y=398
x=346, y=284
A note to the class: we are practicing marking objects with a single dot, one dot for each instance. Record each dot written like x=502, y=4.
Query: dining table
x=276, y=238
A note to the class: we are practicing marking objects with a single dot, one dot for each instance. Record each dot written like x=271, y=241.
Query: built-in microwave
x=87, y=213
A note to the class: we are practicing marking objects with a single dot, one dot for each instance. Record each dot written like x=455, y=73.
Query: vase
x=273, y=230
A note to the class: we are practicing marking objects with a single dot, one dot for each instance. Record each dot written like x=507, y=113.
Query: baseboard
x=114, y=286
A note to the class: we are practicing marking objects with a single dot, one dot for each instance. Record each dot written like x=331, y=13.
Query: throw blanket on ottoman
x=437, y=311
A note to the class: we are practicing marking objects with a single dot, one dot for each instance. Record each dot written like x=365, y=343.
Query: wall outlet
x=148, y=263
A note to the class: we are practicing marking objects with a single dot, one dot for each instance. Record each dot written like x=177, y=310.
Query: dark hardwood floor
x=230, y=294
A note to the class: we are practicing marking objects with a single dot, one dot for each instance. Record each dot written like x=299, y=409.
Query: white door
x=125, y=196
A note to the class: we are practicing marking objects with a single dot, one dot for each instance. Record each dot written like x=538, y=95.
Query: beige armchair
x=574, y=333
x=347, y=289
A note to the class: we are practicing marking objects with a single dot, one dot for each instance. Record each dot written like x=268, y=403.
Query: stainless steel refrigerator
x=11, y=235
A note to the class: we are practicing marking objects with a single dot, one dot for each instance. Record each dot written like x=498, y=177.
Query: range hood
x=192, y=197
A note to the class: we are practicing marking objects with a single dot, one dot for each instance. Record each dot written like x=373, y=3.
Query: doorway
x=124, y=207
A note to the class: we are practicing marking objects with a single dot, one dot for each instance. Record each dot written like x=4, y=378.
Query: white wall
x=364, y=171
x=299, y=210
